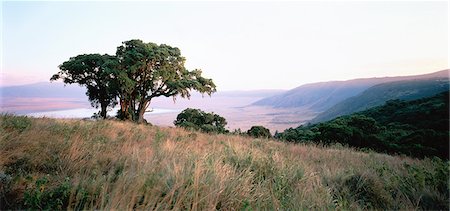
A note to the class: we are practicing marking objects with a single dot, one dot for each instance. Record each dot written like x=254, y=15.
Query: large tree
x=95, y=72
x=149, y=70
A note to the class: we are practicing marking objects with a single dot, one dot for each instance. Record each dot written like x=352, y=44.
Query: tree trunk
x=141, y=116
x=141, y=110
x=125, y=109
x=103, y=110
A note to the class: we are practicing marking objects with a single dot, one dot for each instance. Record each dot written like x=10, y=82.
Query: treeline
x=418, y=128
x=196, y=119
x=136, y=74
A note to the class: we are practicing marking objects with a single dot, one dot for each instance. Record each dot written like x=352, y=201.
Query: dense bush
x=259, y=132
x=417, y=128
x=199, y=120
x=38, y=196
x=11, y=122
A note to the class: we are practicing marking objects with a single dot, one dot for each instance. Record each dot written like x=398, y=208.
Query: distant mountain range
x=59, y=90
x=337, y=98
x=379, y=94
x=323, y=95
x=44, y=90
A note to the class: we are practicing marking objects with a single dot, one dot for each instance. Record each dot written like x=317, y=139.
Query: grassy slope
x=48, y=163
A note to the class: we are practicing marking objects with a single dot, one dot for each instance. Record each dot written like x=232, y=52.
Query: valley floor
x=74, y=164
x=236, y=110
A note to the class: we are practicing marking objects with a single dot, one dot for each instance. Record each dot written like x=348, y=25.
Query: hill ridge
x=311, y=95
x=380, y=93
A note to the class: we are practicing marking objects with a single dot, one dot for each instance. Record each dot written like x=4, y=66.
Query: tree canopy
x=199, y=120
x=148, y=70
x=137, y=73
x=259, y=132
x=92, y=71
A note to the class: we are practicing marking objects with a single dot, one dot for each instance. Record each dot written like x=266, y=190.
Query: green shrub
x=429, y=187
x=259, y=132
x=5, y=191
x=364, y=190
x=197, y=119
x=11, y=122
x=20, y=166
x=42, y=197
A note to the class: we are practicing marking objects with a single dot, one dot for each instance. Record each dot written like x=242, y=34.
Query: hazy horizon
x=231, y=90
x=240, y=45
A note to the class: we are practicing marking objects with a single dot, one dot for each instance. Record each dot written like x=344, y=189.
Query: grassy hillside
x=59, y=164
x=379, y=94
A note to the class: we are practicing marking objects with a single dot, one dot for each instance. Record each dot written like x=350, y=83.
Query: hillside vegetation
x=73, y=164
x=379, y=94
x=417, y=128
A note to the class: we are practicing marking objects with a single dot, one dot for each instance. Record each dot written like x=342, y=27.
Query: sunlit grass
x=72, y=164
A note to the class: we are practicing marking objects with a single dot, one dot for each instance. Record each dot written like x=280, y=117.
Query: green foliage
x=94, y=71
x=427, y=188
x=199, y=120
x=137, y=73
x=259, y=132
x=148, y=70
x=11, y=122
x=42, y=197
x=418, y=128
x=299, y=134
x=366, y=190
x=424, y=180
x=160, y=136
x=19, y=166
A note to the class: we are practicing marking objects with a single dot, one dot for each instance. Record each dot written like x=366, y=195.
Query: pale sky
x=240, y=45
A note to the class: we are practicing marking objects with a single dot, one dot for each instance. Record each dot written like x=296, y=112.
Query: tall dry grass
x=72, y=164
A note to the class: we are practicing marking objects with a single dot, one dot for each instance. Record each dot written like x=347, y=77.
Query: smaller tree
x=94, y=72
x=199, y=120
x=259, y=132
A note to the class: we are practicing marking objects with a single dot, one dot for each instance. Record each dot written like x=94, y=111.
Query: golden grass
x=121, y=165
